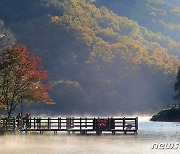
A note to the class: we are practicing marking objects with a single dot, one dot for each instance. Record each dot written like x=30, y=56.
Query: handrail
x=80, y=124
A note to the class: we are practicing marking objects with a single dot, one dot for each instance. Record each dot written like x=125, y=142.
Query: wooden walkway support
x=72, y=124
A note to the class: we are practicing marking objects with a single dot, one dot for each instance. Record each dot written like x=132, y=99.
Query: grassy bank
x=167, y=115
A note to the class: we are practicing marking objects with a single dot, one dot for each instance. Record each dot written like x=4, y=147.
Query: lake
x=163, y=136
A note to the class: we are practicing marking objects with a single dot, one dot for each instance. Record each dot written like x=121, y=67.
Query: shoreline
x=167, y=115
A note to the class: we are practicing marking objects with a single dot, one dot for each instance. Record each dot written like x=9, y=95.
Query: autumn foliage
x=21, y=76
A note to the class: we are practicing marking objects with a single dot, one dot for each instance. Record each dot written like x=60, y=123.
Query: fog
x=148, y=134
x=137, y=93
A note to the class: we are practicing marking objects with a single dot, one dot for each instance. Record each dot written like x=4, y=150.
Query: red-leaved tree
x=21, y=76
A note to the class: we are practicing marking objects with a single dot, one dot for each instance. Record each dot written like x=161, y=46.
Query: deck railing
x=71, y=124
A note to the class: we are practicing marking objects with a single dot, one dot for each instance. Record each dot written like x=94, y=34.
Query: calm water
x=148, y=134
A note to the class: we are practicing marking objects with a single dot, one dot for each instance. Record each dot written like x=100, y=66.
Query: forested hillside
x=156, y=15
x=98, y=61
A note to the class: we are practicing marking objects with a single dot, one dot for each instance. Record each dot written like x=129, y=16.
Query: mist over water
x=141, y=93
x=148, y=134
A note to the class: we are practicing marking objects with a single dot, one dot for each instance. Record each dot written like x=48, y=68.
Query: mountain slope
x=98, y=62
x=156, y=15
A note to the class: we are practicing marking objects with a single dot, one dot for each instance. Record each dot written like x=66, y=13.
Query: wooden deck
x=72, y=125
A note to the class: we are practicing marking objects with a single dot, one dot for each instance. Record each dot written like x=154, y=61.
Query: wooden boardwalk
x=72, y=125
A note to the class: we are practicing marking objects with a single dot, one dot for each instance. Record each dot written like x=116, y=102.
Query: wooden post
x=124, y=124
x=108, y=124
x=34, y=123
x=86, y=122
x=30, y=122
x=39, y=123
x=80, y=124
x=70, y=123
x=48, y=123
x=136, y=124
x=94, y=123
x=60, y=123
x=67, y=123
x=14, y=124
